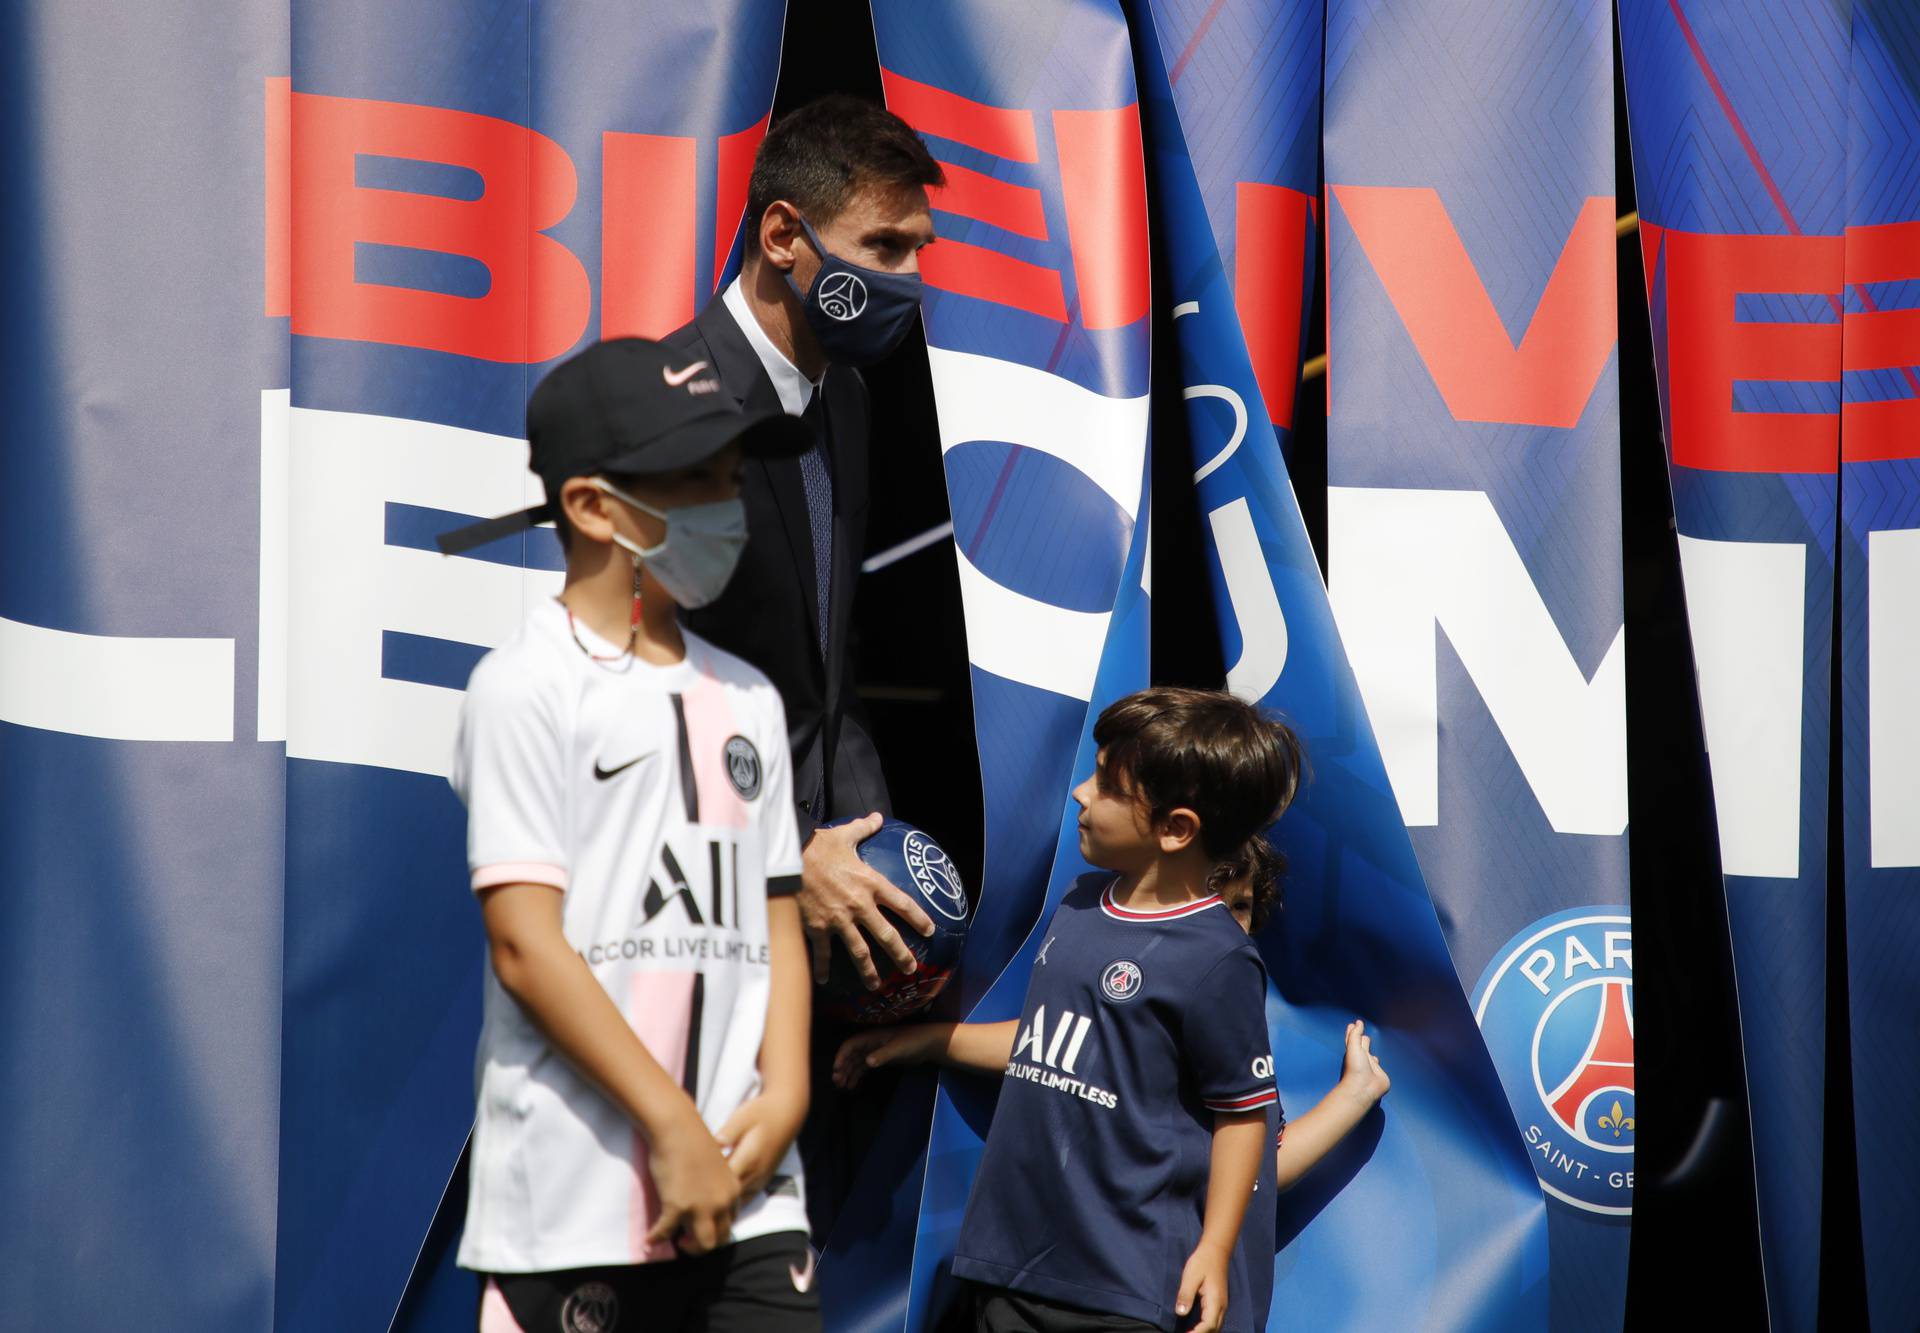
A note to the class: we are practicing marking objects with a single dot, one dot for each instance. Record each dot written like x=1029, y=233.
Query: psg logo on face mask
x=1556, y=1009
x=842, y=295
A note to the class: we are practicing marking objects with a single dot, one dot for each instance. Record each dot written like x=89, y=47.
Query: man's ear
x=1179, y=830
x=585, y=506
x=779, y=232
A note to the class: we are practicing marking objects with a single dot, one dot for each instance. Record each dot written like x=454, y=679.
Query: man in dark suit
x=836, y=216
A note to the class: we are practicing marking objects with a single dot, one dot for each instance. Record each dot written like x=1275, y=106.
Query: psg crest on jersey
x=1121, y=980
x=1556, y=1008
x=743, y=767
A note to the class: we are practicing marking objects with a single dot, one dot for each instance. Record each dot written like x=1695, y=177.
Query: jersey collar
x=1119, y=913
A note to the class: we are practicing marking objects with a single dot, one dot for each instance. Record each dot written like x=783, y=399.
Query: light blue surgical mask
x=701, y=548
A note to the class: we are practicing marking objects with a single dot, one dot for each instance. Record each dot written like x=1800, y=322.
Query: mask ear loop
x=633, y=617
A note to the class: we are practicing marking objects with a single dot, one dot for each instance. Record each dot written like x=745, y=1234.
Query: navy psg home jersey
x=1138, y=1028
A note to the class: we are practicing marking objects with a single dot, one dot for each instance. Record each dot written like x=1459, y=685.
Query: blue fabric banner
x=1738, y=135
x=1038, y=337
x=1440, y=1181
x=474, y=188
x=140, y=813
x=1474, y=554
x=1879, y=646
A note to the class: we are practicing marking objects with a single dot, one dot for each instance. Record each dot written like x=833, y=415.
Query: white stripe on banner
x=1032, y=642
x=1893, y=729
x=1406, y=560
x=1746, y=606
x=982, y=398
x=347, y=588
x=124, y=689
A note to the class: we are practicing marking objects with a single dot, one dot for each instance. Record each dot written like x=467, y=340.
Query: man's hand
x=1361, y=1076
x=698, y=1192
x=841, y=895
x=757, y=1136
x=1203, y=1283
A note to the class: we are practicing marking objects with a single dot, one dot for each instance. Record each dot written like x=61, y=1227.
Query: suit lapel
x=746, y=378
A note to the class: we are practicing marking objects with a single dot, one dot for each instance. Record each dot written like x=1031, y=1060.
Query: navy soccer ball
x=913, y=862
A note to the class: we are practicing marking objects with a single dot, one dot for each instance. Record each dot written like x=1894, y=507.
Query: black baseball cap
x=630, y=405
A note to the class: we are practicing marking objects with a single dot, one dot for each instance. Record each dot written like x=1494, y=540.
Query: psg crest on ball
x=914, y=863
x=1556, y=1008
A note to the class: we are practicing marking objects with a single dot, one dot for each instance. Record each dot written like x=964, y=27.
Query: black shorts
x=997, y=1310
x=763, y=1284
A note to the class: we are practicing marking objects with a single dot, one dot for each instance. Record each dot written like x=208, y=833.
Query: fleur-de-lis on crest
x=1616, y=1122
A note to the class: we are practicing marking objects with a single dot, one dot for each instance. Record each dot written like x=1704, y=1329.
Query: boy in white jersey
x=642, y=1068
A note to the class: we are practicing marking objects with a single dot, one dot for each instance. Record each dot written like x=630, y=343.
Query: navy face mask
x=857, y=314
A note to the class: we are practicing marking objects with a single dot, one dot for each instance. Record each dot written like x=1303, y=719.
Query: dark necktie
x=817, y=477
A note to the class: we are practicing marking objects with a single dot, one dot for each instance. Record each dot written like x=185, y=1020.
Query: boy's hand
x=841, y=895
x=1361, y=1075
x=757, y=1136
x=882, y=1046
x=698, y=1192
x=1203, y=1288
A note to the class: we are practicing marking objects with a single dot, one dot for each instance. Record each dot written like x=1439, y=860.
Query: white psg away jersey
x=659, y=801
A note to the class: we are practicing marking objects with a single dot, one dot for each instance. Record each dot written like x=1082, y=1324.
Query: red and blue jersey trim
x=1253, y=1101
x=1119, y=913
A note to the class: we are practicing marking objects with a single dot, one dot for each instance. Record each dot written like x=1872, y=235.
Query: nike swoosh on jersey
x=604, y=773
x=675, y=378
x=802, y=1278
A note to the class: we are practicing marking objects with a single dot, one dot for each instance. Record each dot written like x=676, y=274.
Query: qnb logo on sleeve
x=1052, y=1054
x=1263, y=1066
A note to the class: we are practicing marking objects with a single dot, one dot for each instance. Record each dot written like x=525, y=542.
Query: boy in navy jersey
x=1138, y=1104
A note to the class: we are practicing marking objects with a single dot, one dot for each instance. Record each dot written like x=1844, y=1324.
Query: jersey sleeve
x=510, y=769
x=1228, y=1055
x=779, y=826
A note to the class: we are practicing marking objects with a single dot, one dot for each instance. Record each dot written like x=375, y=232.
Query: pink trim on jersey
x=710, y=725
x=495, y=1316
x=660, y=1011
x=520, y=872
x=1115, y=910
x=1251, y=1102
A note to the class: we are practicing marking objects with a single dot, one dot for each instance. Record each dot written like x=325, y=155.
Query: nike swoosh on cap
x=604, y=773
x=675, y=378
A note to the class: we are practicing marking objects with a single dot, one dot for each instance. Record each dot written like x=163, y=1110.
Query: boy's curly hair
x=1259, y=863
x=1221, y=757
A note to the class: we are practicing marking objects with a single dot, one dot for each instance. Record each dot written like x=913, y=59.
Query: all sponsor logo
x=1049, y=1055
x=743, y=767
x=1121, y=981
x=1556, y=1009
x=934, y=875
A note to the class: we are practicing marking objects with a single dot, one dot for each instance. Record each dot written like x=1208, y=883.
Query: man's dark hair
x=1216, y=755
x=1261, y=866
x=820, y=154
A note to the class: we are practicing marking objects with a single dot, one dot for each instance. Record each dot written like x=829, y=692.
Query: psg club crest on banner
x=1556, y=1008
x=1121, y=980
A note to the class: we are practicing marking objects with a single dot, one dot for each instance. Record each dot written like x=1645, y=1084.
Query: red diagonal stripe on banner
x=992, y=129
x=974, y=194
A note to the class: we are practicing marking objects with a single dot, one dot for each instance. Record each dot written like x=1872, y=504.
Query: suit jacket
x=768, y=613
